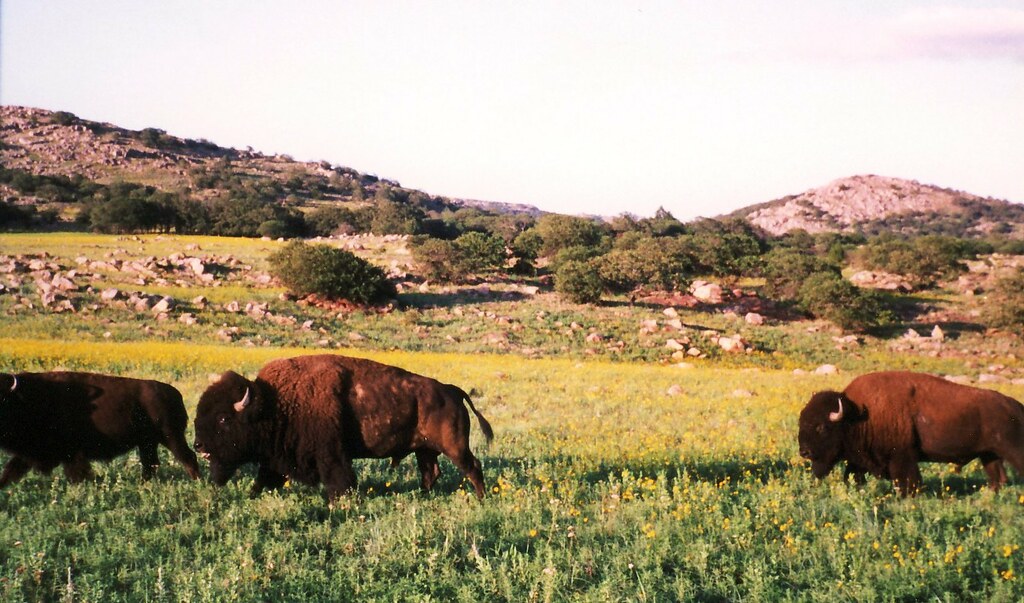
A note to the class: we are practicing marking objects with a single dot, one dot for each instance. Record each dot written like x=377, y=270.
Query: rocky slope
x=871, y=204
x=59, y=143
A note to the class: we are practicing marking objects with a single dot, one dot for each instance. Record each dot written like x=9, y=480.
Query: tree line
x=585, y=259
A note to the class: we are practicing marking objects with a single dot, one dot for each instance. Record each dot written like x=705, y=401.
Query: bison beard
x=886, y=423
x=69, y=419
x=306, y=418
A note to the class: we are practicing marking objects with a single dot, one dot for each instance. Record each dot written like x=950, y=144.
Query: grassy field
x=609, y=480
x=603, y=487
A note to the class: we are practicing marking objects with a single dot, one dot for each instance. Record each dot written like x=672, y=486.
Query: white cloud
x=932, y=33
x=955, y=33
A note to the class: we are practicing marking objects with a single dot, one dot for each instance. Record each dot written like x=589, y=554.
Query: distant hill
x=58, y=143
x=873, y=204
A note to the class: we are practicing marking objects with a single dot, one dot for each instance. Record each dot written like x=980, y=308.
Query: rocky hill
x=61, y=144
x=872, y=204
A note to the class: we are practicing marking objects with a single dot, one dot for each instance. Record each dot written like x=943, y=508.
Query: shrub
x=1004, y=307
x=471, y=253
x=831, y=297
x=64, y=118
x=331, y=272
x=575, y=253
x=527, y=244
x=274, y=229
x=922, y=261
x=479, y=252
x=15, y=216
x=579, y=282
x=786, y=269
x=436, y=259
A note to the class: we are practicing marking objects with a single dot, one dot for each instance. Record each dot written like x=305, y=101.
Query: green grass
x=603, y=487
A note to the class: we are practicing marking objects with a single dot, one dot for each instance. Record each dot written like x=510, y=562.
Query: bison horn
x=14, y=382
x=837, y=416
x=241, y=404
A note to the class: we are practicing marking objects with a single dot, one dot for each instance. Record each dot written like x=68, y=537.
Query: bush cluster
x=331, y=272
x=1004, y=307
x=472, y=253
x=922, y=260
x=831, y=297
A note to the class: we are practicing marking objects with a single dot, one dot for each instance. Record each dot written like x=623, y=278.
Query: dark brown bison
x=886, y=423
x=69, y=419
x=306, y=418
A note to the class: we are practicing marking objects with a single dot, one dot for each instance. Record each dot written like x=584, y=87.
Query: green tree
x=579, y=282
x=661, y=263
x=558, y=232
x=392, y=217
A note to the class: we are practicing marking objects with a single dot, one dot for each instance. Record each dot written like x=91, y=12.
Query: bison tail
x=484, y=425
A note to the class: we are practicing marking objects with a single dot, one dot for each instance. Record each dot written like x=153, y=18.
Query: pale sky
x=573, y=106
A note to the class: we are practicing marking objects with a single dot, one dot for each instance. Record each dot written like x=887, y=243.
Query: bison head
x=823, y=424
x=226, y=429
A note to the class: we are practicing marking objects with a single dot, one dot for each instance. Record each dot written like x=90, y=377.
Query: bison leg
x=906, y=475
x=426, y=460
x=15, y=469
x=149, y=458
x=857, y=472
x=176, y=443
x=77, y=469
x=337, y=476
x=995, y=470
x=266, y=480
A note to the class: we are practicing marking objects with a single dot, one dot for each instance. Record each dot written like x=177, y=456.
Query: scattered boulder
x=706, y=292
x=673, y=344
x=753, y=318
x=881, y=280
x=827, y=369
x=733, y=344
x=164, y=304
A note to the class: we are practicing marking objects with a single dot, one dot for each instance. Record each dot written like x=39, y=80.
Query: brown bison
x=886, y=423
x=69, y=419
x=306, y=418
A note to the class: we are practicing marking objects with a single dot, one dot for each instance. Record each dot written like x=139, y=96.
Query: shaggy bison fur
x=69, y=419
x=886, y=423
x=306, y=418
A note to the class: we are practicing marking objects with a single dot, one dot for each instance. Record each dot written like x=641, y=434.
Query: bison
x=69, y=419
x=886, y=423
x=306, y=418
